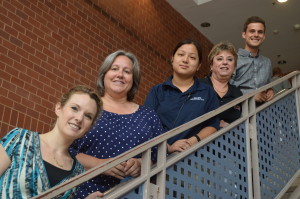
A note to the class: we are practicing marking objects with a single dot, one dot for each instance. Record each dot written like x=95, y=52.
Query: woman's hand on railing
x=117, y=171
x=95, y=195
x=133, y=167
x=179, y=145
x=223, y=124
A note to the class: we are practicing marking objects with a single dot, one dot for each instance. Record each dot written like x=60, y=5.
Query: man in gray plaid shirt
x=253, y=69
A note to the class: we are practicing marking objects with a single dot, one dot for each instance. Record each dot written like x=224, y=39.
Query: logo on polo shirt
x=198, y=98
x=237, y=107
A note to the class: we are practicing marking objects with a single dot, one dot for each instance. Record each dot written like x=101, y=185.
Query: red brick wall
x=49, y=46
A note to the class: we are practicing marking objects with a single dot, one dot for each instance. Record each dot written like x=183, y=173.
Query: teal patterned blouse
x=27, y=177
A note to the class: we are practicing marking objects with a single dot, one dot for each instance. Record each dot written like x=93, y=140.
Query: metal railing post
x=161, y=176
x=245, y=112
x=254, y=149
x=146, y=166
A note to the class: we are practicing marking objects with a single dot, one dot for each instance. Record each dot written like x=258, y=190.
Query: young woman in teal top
x=31, y=162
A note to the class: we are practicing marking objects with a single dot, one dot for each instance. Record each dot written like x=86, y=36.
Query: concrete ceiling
x=228, y=16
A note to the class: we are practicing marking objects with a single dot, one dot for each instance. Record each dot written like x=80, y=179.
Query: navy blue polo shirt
x=175, y=108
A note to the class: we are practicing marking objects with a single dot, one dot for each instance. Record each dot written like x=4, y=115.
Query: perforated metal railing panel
x=278, y=145
x=217, y=170
x=136, y=193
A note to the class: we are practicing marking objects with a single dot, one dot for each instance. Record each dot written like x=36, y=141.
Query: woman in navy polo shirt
x=183, y=98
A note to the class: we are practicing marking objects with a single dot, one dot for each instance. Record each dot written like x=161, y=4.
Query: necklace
x=60, y=165
x=50, y=153
x=220, y=90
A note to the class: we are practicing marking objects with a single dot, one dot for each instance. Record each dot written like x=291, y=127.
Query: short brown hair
x=254, y=19
x=222, y=46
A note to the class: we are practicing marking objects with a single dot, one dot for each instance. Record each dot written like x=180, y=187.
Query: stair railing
x=256, y=156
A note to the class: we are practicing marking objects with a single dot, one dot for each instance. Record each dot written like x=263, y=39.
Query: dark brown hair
x=254, y=19
x=190, y=41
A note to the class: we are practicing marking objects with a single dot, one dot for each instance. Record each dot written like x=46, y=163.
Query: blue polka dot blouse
x=112, y=135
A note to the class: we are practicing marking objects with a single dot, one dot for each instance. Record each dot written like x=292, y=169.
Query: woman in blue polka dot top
x=123, y=124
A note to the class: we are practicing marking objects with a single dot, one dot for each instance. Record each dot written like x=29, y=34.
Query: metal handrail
x=147, y=169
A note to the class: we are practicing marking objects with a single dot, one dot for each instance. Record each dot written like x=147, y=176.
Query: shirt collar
x=196, y=85
x=245, y=53
x=229, y=92
x=169, y=82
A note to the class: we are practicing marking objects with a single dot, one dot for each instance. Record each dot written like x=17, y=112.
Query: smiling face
x=75, y=118
x=223, y=65
x=185, y=61
x=118, y=79
x=254, y=35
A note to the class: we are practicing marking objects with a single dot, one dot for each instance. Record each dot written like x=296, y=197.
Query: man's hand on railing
x=133, y=167
x=264, y=96
x=261, y=97
x=270, y=94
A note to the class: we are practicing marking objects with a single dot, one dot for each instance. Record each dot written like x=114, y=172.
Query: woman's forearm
x=89, y=161
x=207, y=131
x=5, y=161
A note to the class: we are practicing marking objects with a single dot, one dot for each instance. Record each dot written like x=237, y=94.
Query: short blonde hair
x=222, y=46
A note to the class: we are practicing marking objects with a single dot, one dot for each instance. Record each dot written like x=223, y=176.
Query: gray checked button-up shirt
x=252, y=72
